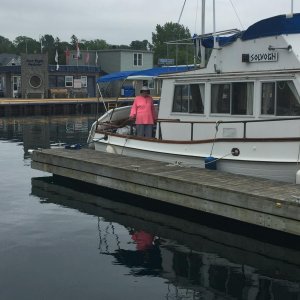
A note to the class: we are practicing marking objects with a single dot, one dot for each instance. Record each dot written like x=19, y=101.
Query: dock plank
x=253, y=200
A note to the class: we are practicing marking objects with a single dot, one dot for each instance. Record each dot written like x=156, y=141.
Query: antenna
x=292, y=10
x=181, y=11
x=203, y=17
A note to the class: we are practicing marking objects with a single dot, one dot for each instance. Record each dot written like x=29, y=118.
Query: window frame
x=231, y=85
x=70, y=79
x=273, y=82
x=189, y=99
x=83, y=81
x=138, y=59
x=277, y=102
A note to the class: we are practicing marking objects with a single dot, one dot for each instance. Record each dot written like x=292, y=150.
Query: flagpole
x=41, y=42
x=56, y=60
x=77, y=52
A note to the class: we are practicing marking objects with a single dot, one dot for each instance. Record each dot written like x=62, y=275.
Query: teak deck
x=274, y=205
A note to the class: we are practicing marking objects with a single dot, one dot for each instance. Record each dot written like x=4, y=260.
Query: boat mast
x=216, y=45
x=202, y=49
x=292, y=10
x=214, y=18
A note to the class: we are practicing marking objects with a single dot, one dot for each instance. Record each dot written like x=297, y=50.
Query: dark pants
x=145, y=130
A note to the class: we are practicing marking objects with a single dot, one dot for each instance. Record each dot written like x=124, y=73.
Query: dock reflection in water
x=45, y=132
x=196, y=261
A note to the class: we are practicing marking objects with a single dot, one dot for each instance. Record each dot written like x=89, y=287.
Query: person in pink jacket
x=143, y=112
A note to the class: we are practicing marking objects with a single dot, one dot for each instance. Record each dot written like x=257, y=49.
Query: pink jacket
x=143, y=110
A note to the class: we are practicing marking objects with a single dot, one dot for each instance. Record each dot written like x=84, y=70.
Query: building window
x=52, y=81
x=189, y=98
x=232, y=98
x=280, y=98
x=69, y=81
x=83, y=81
x=137, y=59
x=60, y=81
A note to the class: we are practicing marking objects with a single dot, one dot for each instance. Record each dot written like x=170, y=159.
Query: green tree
x=181, y=54
x=48, y=45
x=6, y=46
x=140, y=45
x=24, y=44
x=74, y=41
x=47, y=42
x=97, y=44
x=118, y=47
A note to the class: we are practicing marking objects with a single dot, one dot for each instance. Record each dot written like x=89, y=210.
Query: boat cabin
x=250, y=74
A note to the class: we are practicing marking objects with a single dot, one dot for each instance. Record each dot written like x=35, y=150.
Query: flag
x=96, y=60
x=67, y=52
x=87, y=57
x=77, y=51
x=56, y=60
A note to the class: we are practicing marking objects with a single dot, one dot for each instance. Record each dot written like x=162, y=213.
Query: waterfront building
x=30, y=75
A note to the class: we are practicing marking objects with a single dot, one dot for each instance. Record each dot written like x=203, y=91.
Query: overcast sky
x=120, y=21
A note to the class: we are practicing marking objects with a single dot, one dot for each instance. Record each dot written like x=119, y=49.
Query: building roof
x=7, y=59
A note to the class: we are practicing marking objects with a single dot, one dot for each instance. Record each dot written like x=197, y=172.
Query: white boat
x=239, y=113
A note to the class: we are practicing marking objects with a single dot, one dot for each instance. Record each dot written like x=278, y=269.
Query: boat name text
x=263, y=57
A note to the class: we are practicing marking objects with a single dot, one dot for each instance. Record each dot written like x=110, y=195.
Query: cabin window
x=137, y=59
x=280, y=98
x=268, y=98
x=189, y=98
x=220, y=98
x=232, y=98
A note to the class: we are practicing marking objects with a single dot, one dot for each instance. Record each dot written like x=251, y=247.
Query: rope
x=217, y=128
x=79, y=146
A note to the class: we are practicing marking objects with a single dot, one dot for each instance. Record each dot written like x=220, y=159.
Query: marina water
x=62, y=239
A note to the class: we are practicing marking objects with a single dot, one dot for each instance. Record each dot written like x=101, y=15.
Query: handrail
x=244, y=122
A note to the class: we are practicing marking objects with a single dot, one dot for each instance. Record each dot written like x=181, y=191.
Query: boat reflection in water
x=195, y=260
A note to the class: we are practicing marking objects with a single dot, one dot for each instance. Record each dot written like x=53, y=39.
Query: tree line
x=182, y=54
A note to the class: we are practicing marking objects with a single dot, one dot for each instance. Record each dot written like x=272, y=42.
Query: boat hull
x=251, y=160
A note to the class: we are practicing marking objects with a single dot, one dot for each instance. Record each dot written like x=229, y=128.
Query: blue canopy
x=268, y=27
x=154, y=72
x=208, y=42
x=273, y=26
x=114, y=76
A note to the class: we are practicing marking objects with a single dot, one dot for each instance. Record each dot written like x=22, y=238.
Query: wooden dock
x=274, y=205
x=25, y=107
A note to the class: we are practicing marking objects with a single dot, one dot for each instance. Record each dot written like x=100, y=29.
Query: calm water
x=65, y=240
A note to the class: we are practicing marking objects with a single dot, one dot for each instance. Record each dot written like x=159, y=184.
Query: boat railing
x=218, y=123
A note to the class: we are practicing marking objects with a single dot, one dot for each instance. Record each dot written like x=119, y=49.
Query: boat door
x=16, y=86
